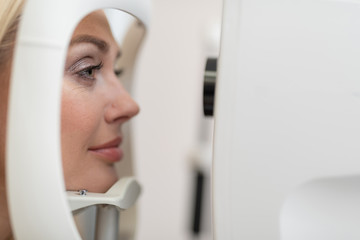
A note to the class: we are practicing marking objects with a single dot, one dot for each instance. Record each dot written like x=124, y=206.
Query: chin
x=103, y=185
x=98, y=181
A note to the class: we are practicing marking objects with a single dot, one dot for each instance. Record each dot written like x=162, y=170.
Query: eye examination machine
x=287, y=111
x=40, y=208
x=284, y=94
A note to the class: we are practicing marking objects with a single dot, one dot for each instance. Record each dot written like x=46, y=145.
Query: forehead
x=95, y=24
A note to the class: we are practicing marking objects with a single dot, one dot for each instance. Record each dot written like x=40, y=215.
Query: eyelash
x=85, y=73
x=88, y=74
x=119, y=72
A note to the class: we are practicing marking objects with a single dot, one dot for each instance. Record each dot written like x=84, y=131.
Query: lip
x=109, y=151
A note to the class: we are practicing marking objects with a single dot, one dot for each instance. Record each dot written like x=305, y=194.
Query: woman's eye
x=90, y=72
x=119, y=72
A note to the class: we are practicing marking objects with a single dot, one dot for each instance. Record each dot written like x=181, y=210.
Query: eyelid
x=85, y=71
x=82, y=72
x=92, y=67
x=81, y=63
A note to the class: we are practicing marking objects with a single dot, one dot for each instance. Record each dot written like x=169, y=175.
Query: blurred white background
x=168, y=88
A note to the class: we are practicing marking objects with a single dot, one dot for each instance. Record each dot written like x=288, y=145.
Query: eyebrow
x=100, y=44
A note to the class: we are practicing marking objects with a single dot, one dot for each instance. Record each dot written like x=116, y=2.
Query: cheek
x=79, y=124
x=82, y=119
x=80, y=112
x=77, y=116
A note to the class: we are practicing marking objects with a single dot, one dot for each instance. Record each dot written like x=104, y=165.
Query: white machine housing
x=287, y=113
x=37, y=199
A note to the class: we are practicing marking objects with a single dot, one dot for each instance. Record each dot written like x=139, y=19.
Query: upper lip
x=111, y=144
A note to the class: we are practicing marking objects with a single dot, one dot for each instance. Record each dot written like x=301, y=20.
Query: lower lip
x=109, y=154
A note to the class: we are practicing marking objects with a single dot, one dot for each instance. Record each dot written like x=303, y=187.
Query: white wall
x=168, y=88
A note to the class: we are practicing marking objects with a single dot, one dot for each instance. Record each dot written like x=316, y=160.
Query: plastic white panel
x=287, y=111
x=36, y=192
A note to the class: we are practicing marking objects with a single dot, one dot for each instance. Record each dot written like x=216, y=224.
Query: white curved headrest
x=36, y=192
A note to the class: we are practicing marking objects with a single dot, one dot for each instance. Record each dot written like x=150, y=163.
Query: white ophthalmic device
x=40, y=208
x=286, y=158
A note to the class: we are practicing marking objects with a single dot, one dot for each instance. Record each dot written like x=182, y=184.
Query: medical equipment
x=286, y=142
x=201, y=154
x=286, y=115
x=209, y=86
x=38, y=202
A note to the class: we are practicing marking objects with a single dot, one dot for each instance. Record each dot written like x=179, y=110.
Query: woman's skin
x=94, y=107
x=5, y=229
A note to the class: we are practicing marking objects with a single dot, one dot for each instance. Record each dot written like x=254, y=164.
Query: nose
x=122, y=107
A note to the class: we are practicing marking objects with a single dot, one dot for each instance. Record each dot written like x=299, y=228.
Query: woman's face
x=94, y=107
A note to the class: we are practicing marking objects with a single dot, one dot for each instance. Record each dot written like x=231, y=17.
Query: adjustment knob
x=209, y=86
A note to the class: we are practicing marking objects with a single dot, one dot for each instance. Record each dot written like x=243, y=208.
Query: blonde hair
x=10, y=12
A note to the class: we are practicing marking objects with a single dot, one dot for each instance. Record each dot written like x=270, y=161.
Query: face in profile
x=94, y=107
